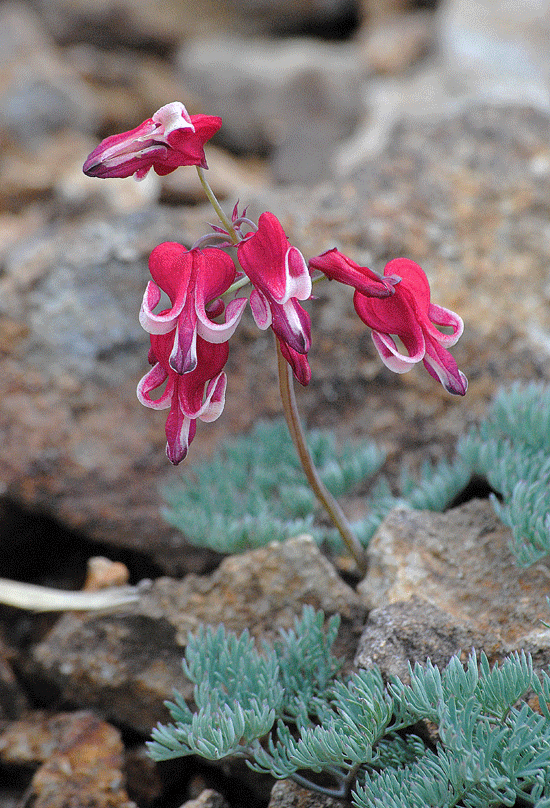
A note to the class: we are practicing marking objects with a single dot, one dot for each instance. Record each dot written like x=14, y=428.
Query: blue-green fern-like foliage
x=287, y=711
x=511, y=449
x=254, y=490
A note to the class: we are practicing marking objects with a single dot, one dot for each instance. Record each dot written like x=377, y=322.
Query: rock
x=77, y=325
x=40, y=95
x=276, y=92
x=413, y=631
x=143, y=779
x=127, y=85
x=397, y=43
x=151, y=24
x=13, y=701
x=229, y=177
x=467, y=198
x=497, y=49
x=459, y=566
x=465, y=195
x=80, y=759
x=33, y=175
x=125, y=664
x=207, y=799
x=288, y=794
x=102, y=573
x=375, y=11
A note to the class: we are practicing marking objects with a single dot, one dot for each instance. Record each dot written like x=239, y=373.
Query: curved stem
x=216, y=205
x=286, y=387
x=339, y=793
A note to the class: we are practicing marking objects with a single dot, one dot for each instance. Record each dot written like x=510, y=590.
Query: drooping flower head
x=171, y=138
x=188, y=347
x=193, y=280
x=280, y=277
x=196, y=395
x=408, y=313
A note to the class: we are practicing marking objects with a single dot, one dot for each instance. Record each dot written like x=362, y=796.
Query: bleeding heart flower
x=171, y=138
x=193, y=280
x=280, y=277
x=196, y=395
x=407, y=313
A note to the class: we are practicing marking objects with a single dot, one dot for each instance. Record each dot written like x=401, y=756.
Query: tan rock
x=127, y=663
x=396, y=43
x=207, y=799
x=287, y=794
x=81, y=759
x=459, y=562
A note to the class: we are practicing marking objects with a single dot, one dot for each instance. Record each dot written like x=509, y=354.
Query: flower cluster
x=189, y=340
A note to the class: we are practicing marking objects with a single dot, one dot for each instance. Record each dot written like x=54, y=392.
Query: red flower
x=280, y=277
x=169, y=139
x=198, y=394
x=193, y=280
x=407, y=313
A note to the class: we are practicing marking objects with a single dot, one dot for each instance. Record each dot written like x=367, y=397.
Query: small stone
x=80, y=757
x=207, y=799
x=102, y=572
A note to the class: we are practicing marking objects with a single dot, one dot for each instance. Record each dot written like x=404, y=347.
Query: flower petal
x=214, y=399
x=339, y=267
x=261, y=310
x=221, y=332
x=211, y=359
x=272, y=264
x=392, y=357
x=298, y=362
x=183, y=357
x=214, y=272
x=156, y=323
x=151, y=381
x=446, y=318
x=440, y=364
x=292, y=324
x=180, y=431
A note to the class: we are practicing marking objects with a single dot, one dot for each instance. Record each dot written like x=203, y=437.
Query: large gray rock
x=497, y=48
x=297, y=97
x=439, y=584
x=40, y=93
x=152, y=23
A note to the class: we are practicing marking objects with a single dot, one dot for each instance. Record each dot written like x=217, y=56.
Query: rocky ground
x=383, y=128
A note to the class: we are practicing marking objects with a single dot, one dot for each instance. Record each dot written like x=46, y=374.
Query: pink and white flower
x=171, y=138
x=280, y=277
x=194, y=281
x=408, y=313
x=196, y=395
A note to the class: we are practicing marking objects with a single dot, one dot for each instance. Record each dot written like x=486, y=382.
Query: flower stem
x=216, y=205
x=286, y=387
